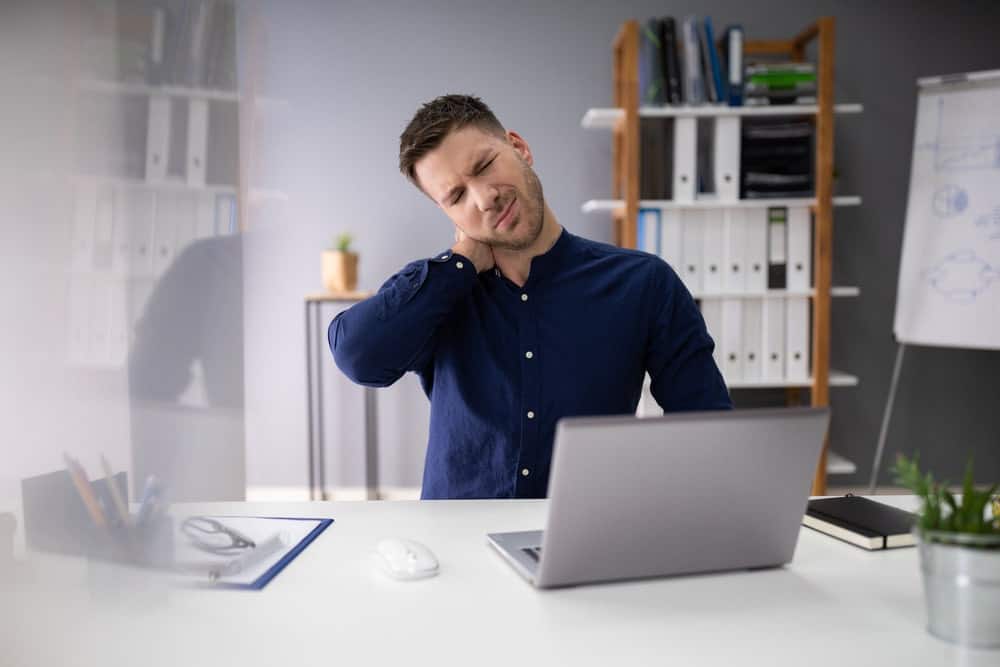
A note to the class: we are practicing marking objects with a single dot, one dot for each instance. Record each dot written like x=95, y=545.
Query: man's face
x=486, y=185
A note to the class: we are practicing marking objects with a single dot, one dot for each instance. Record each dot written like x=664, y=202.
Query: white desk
x=833, y=605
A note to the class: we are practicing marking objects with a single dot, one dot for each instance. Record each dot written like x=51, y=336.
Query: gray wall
x=352, y=73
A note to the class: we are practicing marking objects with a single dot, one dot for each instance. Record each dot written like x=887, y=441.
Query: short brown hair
x=435, y=120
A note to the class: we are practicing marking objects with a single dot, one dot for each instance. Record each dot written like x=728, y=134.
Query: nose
x=485, y=196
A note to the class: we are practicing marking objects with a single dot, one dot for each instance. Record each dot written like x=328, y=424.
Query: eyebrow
x=477, y=165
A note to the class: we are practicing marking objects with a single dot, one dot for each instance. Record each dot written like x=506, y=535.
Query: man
x=520, y=323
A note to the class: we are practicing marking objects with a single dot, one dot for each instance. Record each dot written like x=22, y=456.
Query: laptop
x=680, y=494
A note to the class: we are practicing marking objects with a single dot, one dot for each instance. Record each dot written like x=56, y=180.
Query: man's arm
x=379, y=339
x=679, y=356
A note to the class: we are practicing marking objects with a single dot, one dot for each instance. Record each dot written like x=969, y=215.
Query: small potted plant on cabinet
x=340, y=266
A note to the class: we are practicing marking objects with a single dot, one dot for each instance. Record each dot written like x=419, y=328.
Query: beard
x=526, y=228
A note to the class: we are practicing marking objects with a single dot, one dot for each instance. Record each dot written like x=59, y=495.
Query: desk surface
x=834, y=604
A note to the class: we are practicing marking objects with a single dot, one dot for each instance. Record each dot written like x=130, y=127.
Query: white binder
x=164, y=232
x=773, y=352
x=713, y=254
x=672, y=239
x=143, y=212
x=118, y=329
x=158, y=138
x=797, y=338
x=755, y=260
x=79, y=317
x=84, y=214
x=197, y=141
x=104, y=230
x=100, y=321
x=685, y=158
x=205, y=225
x=711, y=312
x=753, y=331
x=799, y=249
x=648, y=231
x=734, y=264
x=732, y=340
x=693, y=247
x=727, y=158
x=186, y=221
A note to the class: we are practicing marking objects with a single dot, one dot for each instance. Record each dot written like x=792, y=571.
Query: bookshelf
x=157, y=117
x=624, y=206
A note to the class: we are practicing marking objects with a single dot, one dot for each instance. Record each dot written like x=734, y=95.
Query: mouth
x=507, y=215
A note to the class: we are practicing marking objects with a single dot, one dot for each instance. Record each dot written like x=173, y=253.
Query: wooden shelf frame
x=626, y=161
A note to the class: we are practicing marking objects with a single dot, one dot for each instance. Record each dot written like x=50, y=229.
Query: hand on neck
x=516, y=264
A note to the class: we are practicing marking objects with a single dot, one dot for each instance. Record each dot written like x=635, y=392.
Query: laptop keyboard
x=534, y=552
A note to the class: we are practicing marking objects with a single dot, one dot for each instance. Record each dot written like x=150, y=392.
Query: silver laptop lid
x=678, y=494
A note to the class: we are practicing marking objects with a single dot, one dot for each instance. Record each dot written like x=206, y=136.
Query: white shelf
x=118, y=87
x=838, y=465
x=843, y=291
x=606, y=118
x=611, y=205
x=837, y=379
x=176, y=185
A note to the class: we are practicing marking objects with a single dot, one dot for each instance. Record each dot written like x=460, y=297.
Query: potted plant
x=959, y=556
x=340, y=266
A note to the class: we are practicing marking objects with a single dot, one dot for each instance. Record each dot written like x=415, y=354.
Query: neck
x=516, y=264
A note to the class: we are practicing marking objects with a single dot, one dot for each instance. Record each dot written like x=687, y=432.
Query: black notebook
x=862, y=522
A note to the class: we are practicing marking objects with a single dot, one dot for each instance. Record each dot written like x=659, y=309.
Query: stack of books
x=777, y=158
x=687, y=64
x=780, y=83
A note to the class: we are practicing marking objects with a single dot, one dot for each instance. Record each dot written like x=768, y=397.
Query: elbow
x=357, y=357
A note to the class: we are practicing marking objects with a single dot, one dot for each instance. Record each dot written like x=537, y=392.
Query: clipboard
x=257, y=527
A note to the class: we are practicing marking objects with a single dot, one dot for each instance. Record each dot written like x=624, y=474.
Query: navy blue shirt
x=501, y=363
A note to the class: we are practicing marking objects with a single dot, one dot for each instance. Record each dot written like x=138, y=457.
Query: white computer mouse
x=405, y=559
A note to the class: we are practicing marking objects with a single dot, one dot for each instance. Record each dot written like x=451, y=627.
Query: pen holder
x=56, y=521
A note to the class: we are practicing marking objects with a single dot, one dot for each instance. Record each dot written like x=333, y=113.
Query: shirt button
x=525, y=472
x=529, y=354
x=531, y=414
x=459, y=265
x=524, y=297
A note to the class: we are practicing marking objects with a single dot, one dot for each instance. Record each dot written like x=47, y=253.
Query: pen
x=150, y=495
x=251, y=557
x=116, y=495
x=86, y=492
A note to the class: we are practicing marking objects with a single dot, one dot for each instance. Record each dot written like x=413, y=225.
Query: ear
x=521, y=146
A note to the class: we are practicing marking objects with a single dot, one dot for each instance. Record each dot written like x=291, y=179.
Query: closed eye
x=485, y=166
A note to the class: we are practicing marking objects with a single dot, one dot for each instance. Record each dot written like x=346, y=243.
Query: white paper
x=197, y=562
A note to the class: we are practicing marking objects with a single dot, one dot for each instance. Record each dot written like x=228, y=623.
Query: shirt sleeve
x=376, y=341
x=679, y=359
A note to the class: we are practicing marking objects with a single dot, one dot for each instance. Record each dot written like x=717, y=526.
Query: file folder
x=712, y=257
x=711, y=312
x=777, y=255
x=727, y=158
x=142, y=213
x=732, y=340
x=734, y=272
x=799, y=269
x=734, y=60
x=672, y=239
x=693, y=248
x=797, y=338
x=158, y=138
x=197, y=141
x=755, y=259
x=685, y=158
x=648, y=232
x=164, y=233
x=773, y=352
x=753, y=329
x=205, y=226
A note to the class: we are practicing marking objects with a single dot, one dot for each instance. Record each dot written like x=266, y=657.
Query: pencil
x=116, y=494
x=86, y=492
